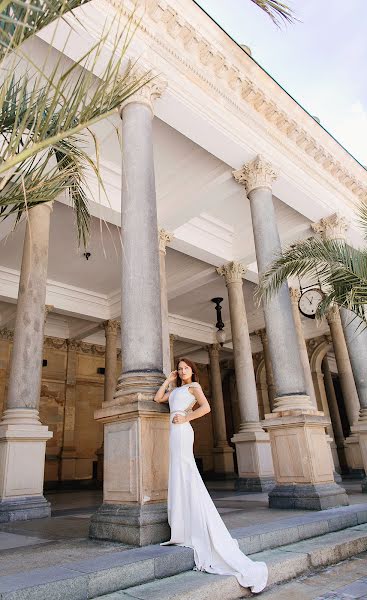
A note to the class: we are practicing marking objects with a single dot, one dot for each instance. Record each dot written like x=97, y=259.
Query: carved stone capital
x=111, y=327
x=333, y=315
x=213, y=350
x=72, y=345
x=232, y=272
x=164, y=238
x=262, y=335
x=6, y=334
x=152, y=88
x=333, y=227
x=48, y=308
x=294, y=294
x=256, y=174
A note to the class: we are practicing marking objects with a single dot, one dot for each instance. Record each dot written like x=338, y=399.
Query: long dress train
x=192, y=515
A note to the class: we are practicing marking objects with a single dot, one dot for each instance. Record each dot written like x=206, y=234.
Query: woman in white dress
x=192, y=515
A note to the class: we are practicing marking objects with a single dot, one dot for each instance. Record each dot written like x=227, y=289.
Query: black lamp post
x=220, y=335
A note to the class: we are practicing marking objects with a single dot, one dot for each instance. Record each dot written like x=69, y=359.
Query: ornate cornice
x=334, y=227
x=294, y=294
x=112, y=326
x=164, y=238
x=256, y=174
x=232, y=272
x=54, y=343
x=152, y=89
x=219, y=72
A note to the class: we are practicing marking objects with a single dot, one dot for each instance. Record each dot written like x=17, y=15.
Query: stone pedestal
x=302, y=463
x=254, y=461
x=136, y=456
x=361, y=430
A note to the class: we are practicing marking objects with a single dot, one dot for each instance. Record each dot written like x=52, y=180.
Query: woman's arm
x=204, y=407
x=162, y=395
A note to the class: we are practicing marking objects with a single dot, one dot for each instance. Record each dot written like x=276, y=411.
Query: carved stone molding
x=164, y=238
x=261, y=333
x=232, y=272
x=333, y=315
x=152, y=89
x=112, y=326
x=333, y=227
x=6, y=334
x=48, y=308
x=72, y=345
x=294, y=294
x=213, y=350
x=313, y=343
x=54, y=343
x=219, y=73
x=255, y=174
x=93, y=349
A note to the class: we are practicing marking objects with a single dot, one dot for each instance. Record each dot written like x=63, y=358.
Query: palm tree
x=45, y=119
x=338, y=267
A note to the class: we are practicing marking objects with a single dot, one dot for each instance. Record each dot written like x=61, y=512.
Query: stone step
x=128, y=568
x=284, y=564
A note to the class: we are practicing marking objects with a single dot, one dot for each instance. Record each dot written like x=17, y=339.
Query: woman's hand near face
x=172, y=377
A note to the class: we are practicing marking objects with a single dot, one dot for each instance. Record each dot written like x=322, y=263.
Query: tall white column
x=172, y=339
x=295, y=295
x=134, y=507
x=223, y=453
x=301, y=456
x=164, y=238
x=255, y=466
x=22, y=436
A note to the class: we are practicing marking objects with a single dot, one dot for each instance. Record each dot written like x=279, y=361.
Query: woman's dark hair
x=195, y=373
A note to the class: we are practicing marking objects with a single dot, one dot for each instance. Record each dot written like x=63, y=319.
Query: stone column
x=68, y=451
x=295, y=295
x=348, y=387
x=111, y=329
x=22, y=436
x=334, y=414
x=335, y=227
x=223, y=453
x=164, y=239
x=134, y=507
x=172, y=339
x=255, y=466
x=301, y=457
x=268, y=366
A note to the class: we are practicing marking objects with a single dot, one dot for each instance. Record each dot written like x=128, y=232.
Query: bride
x=193, y=518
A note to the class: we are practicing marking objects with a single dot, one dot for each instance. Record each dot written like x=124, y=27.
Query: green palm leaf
x=277, y=11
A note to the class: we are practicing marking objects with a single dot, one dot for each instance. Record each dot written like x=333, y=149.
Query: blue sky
x=320, y=60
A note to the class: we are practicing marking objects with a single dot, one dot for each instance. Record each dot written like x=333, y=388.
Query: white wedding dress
x=193, y=518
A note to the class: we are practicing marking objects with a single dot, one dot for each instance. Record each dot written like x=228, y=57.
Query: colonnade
x=288, y=452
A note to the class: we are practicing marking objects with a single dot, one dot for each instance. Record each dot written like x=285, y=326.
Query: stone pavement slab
x=13, y=540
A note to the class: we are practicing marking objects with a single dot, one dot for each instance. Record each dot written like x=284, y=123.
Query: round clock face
x=309, y=302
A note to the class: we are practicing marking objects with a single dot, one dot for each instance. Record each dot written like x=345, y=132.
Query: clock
x=309, y=301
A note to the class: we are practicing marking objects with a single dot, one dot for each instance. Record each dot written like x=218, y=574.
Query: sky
x=321, y=59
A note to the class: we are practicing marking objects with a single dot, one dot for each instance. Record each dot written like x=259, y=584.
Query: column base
x=353, y=451
x=364, y=485
x=254, y=459
x=136, y=525
x=223, y=462
x=308, y=497
x=254, y=484
x=24, y=509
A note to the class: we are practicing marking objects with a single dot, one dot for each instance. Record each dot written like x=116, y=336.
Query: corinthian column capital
x=213, y=350
x=256, y=174
x=232, y=272
x=164, y=238
x=333, y=227
x=152, y=88
x=295, y=295
x=333, y=315
x=111, y=327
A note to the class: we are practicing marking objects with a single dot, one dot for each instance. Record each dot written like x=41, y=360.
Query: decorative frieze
x=233, y=272
x=255, y=174
x=6, y=334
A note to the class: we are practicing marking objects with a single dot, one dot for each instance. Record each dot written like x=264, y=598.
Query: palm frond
x=340, y=269
x=277, y=11
x=21, y=19
x=362, y=216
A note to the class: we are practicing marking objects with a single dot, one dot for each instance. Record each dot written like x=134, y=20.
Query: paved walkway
x=345, y=581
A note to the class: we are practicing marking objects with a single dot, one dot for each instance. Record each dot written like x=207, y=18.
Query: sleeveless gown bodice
x=192, y=515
